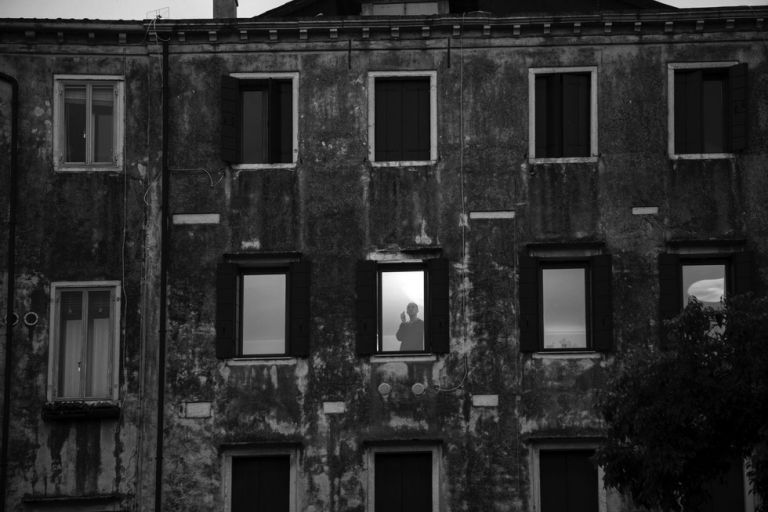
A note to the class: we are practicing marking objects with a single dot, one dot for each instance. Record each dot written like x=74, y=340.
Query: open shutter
x=737, y=80
x=670, y=291
x=688, y=122
x=367, y=317
x=415, y=119
x=576, y=127
x=528, y=293
x=226, y=310
x=438, y=329
x=300, y=273
x=602, y=303
x=230, y=120
x=743, y=272
x=280, y=122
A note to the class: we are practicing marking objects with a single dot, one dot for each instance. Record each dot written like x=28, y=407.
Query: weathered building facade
x=216, y=230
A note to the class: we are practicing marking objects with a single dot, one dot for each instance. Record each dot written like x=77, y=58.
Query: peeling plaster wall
x=71, y=227
x=334, y=208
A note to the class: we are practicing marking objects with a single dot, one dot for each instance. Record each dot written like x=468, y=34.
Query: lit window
x=565, y=304
x=402, y=117
x=262, y=308
x=563, y=111
x=708, y=108
x=84, y=341
x=402, y=307
x=259, y=119
x=88, y=123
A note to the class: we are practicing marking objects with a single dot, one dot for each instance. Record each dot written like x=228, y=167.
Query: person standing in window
x=411, y=332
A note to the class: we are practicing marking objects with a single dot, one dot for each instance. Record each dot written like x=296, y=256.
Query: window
x=402, y=115
x=88, y=121
x=262, y=307
x=403, y=479
x=565, y=479
x=705, y=272
x=402, y=307
x=707, y=109
x=562, y=114
x=259, y=119
x=565, y=302
x=263, y=479
x=84, y=352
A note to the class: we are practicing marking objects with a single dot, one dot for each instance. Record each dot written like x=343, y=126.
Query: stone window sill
x=80, y=410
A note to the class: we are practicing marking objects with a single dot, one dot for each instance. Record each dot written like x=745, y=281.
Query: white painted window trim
x=260, y=452
x=532, y=72
x=372, y=76
x=671, y=67
x=394, y=357
x=535, y=470
x=568, y=355
x=264, y=361
x=409, y=448
x=294, y=77
x=58, y=119
x=53, y=330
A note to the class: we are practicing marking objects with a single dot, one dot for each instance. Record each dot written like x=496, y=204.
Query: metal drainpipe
x=163, y=294
x=11, y=286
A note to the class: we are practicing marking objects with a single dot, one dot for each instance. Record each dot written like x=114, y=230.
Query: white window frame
x=226, y=472
x=53, y=345
x=671, y=68
x=535, y=470
x=370, y=457
x=294, y=77
x=372, y=76
x=59, y=81
x=593, y=154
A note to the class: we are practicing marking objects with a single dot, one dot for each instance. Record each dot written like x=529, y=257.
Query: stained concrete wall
x=335, y=208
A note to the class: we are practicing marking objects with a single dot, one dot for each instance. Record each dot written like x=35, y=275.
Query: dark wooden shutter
x=670, y=291
x=528, y=294
x=230, y=120
x=300, y=319
x=388, y=120
x=602, y=303
x=743, y=272
x=568, y=481
x=367, y=308
x=280, y=121
x=415, y=119
x=403, y=482
x=226, y=310
x=261, y=484
x=438, y=328
x=688, y=119
x=576, y=114
x=737, y=81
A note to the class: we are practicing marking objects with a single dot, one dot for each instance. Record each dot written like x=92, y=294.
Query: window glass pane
x=705, y=282
x=99, y=344
x=70, y=343
x=564, y=308
x=74, y=123
x=712, y=114
x=402, y=311
x=263, y=314
x=102, y=121
x=255, y=122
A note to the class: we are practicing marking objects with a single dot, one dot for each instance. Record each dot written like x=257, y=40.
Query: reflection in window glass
x=564, y=310
x=705, y=282
x=102, y=120
x=263, y=314
x=74, y=121
x=402, y=311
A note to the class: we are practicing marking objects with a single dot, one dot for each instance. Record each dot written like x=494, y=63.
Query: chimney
x=224, y=9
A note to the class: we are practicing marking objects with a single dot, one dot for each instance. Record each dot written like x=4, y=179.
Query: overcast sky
x=181, y=9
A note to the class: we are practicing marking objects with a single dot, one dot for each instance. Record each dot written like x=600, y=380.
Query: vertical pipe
x=12, y=186
x=163, y=293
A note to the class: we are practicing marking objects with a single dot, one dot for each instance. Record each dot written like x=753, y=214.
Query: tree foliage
x=678, y=417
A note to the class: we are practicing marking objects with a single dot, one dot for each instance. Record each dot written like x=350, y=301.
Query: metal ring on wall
x=14, y=319
x=30, y=319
